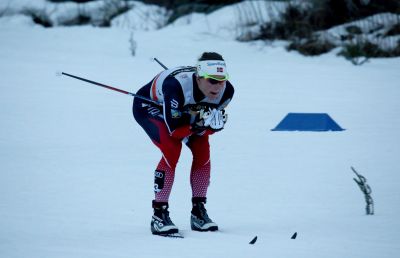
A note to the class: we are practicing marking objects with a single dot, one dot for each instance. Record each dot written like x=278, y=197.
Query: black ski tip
x=294, y=235
x=253, y=240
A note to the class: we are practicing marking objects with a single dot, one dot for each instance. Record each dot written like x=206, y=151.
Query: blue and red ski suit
x=169, y=124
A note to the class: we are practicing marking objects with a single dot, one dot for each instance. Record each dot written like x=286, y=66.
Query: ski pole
x=163, y=66
x=112, y=88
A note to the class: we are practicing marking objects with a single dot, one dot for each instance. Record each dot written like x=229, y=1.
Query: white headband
x=208, y=68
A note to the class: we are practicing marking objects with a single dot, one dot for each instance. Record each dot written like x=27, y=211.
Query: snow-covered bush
x=359, y=52
x=3, y=11
x=317, y=26
x=181, y=8
x=96, y=13
x=311, y=46
x=252, y=15
x=374, y=36
x=143, y=17
x=68, y=13
x=39, y=16
x=109, y=10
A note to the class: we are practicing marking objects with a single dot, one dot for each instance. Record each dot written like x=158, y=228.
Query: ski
x=171, y=235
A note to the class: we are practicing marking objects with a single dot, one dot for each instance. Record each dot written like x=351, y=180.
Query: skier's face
x=210, y=88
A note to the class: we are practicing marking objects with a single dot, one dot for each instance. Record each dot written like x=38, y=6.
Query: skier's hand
x=219, y=118
x=202, y=119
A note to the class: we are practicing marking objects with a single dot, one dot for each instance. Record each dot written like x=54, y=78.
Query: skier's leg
x=150, y=119
x=200, y=171
x=171, y=148
x=200, y=180
x=165, y=172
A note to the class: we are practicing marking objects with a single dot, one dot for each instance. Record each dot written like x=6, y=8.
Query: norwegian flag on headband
x=211, y=67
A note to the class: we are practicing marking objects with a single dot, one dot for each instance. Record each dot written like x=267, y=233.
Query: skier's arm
x=209, y=118
x=178, y=122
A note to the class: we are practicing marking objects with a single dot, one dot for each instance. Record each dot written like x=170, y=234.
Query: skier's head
x=211, y=74
x=212, y=65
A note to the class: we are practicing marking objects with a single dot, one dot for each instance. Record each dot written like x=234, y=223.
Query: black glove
x=202, y=119
x=210, y=118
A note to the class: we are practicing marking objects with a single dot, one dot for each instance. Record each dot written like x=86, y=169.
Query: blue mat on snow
x=316, y=122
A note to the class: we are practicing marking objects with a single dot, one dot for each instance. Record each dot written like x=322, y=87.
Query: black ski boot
x=161, y=223
x=199, y=219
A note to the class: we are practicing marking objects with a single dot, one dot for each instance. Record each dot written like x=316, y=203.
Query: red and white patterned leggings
x=171, y=150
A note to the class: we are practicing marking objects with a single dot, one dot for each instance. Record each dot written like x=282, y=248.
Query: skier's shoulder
x=179, y=79
x=229, y=91
x=170, y=85
x=181, y=71
x=178, y=76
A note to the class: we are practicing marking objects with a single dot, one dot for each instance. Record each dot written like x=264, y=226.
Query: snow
x=76, y=171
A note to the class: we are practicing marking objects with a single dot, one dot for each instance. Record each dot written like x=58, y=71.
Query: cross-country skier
x=193, y=107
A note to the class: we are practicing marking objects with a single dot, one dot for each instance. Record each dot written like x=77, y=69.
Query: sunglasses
x=213, y=81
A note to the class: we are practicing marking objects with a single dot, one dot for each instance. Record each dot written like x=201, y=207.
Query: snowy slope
x=76, y=170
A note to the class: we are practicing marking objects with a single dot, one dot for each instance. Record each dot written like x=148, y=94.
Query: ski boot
x=161, y=223
x=199, y=219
